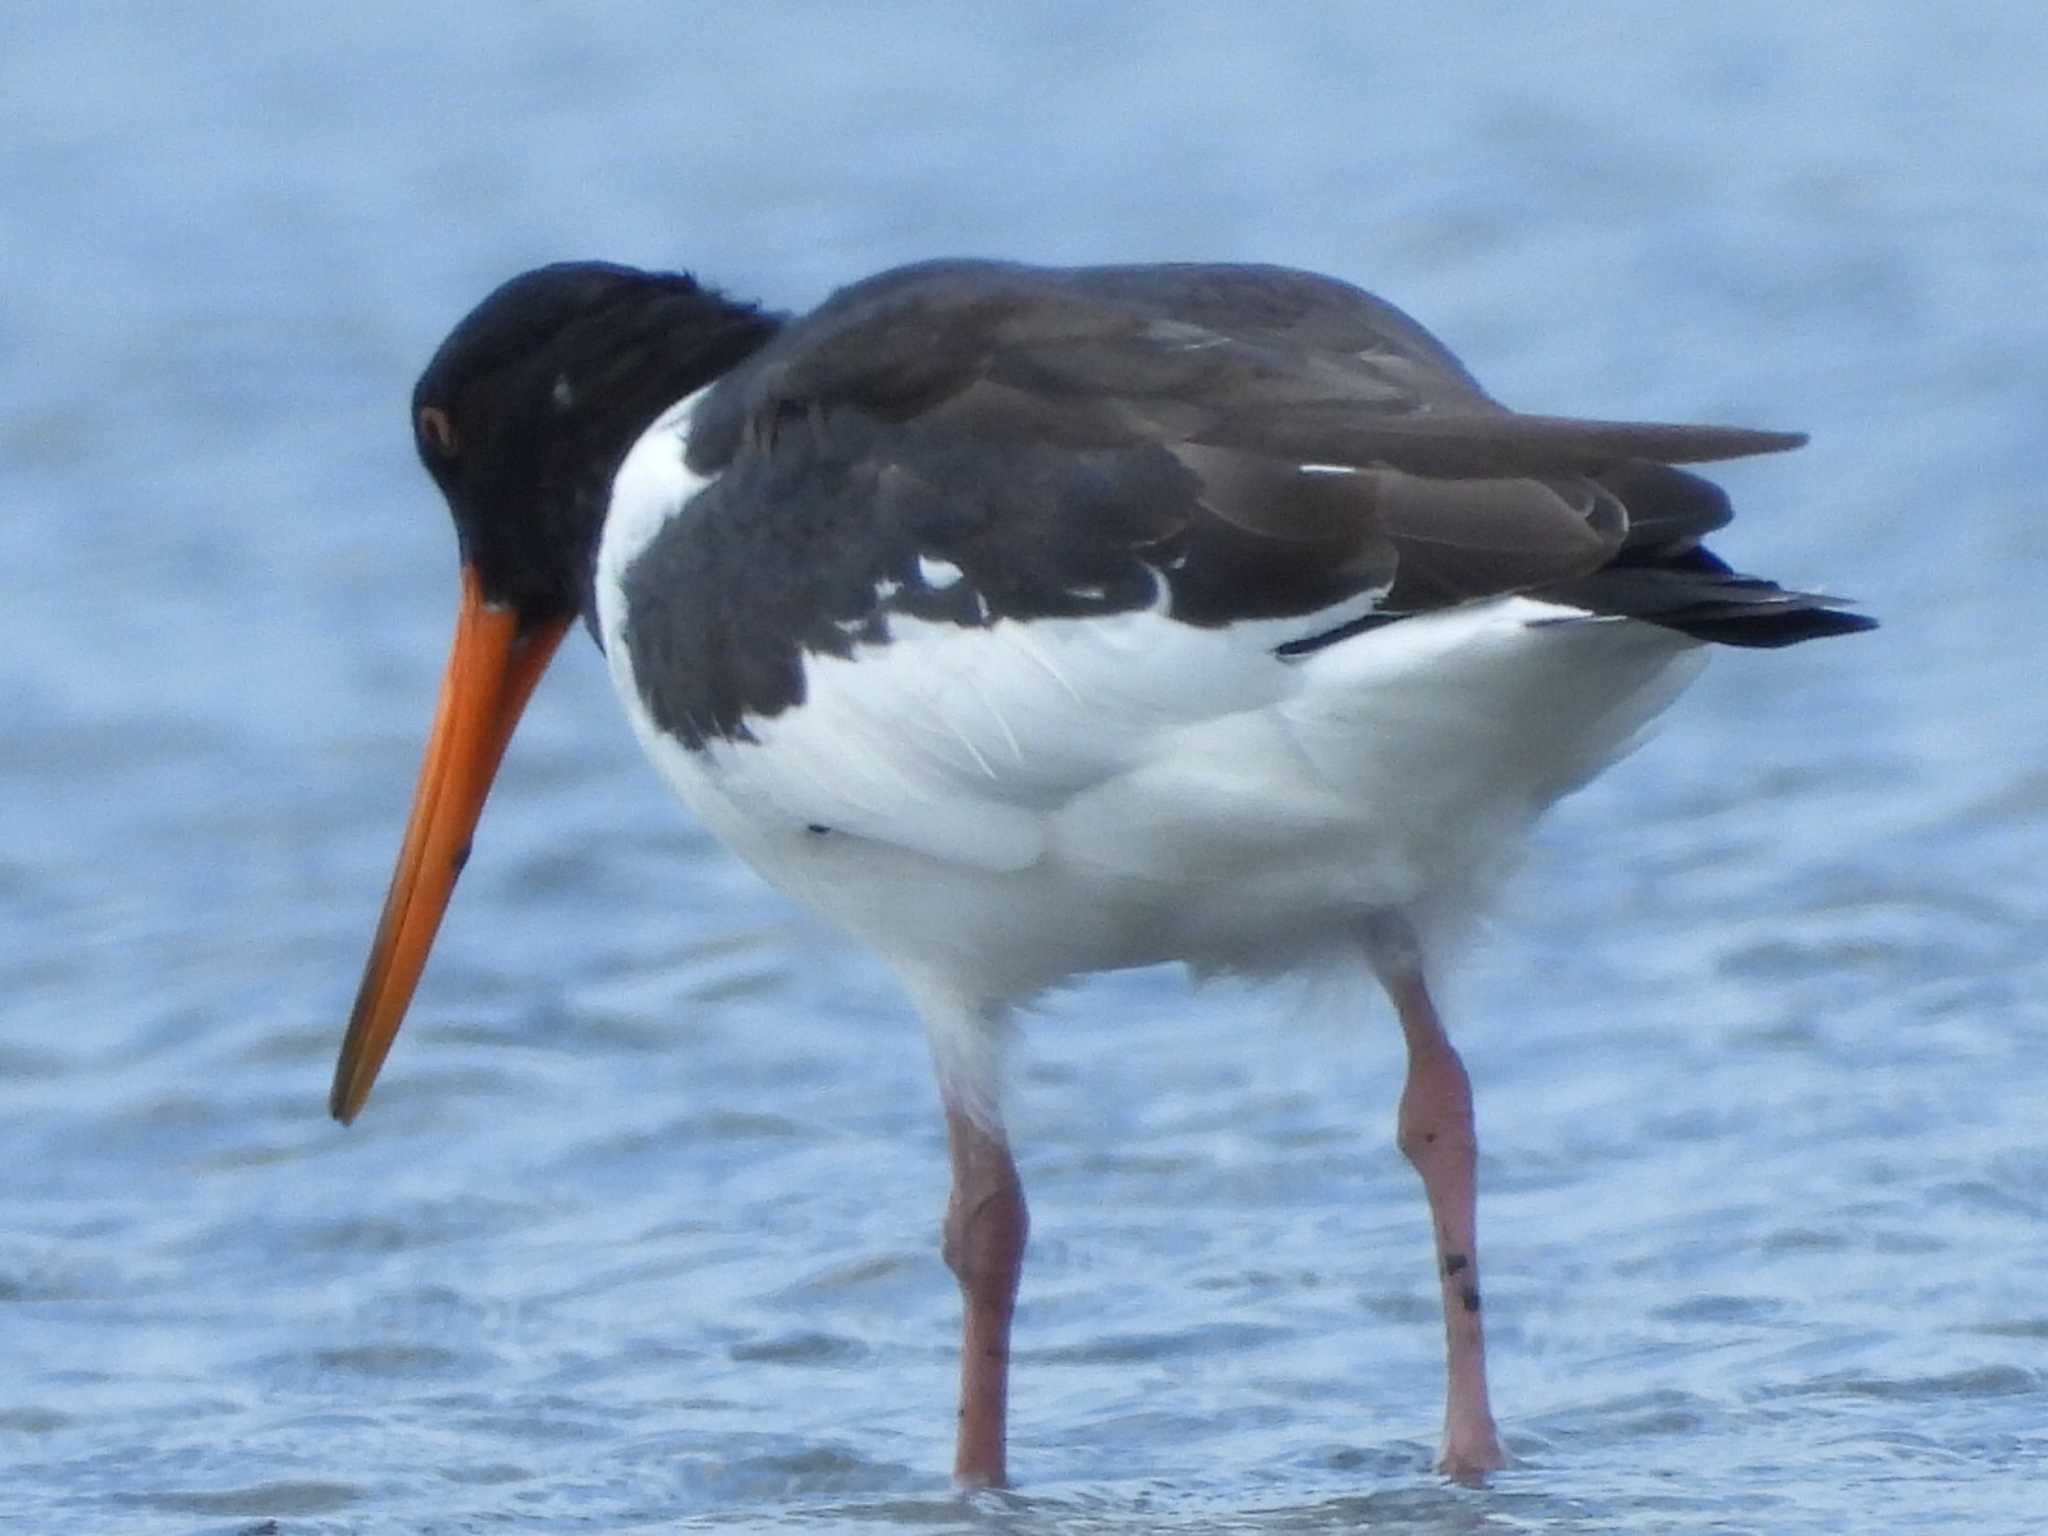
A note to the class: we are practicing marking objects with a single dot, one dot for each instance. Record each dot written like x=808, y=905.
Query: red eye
x=437, y=429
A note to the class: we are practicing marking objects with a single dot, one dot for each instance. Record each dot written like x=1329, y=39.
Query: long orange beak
x=490, y=676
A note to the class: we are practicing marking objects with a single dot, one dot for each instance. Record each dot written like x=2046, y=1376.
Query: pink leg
x=1435, y=1134
x=984, y=1247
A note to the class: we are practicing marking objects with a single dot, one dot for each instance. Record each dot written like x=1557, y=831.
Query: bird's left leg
x=983, y=1245
x=982, y=1239
x=1435, y=1133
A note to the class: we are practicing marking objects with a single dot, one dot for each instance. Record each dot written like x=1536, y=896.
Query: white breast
x=653, y=485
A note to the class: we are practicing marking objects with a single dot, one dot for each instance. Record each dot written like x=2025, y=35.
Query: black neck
x=682, y=348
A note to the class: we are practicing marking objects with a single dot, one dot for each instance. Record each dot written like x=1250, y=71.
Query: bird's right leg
x=1436, y=1134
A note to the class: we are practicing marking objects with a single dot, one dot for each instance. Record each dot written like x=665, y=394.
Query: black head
x=522, y=419
x=528, y=407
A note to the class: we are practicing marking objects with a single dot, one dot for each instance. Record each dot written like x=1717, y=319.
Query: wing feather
x=1267, y=446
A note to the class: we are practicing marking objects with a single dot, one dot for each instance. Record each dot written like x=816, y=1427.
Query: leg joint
x=983, y=1240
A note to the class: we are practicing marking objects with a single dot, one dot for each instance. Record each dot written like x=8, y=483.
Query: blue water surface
x=639, y=1230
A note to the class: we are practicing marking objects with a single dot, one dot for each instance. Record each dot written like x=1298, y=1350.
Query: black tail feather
x=1695, y=593
x=1663, y=575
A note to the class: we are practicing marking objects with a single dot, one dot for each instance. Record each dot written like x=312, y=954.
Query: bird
x=1031, y=622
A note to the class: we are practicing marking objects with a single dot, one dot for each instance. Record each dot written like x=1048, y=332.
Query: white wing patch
x=938, y=574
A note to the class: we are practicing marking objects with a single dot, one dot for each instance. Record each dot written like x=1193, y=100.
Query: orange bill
x=490, y=676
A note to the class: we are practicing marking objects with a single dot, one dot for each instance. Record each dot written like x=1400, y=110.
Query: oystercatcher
x=1029, y=622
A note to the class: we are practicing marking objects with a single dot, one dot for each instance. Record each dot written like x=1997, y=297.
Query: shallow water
x=639, y=1229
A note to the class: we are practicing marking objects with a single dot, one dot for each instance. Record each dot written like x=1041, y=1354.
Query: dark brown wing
x=1216, y=408
x=973, y=441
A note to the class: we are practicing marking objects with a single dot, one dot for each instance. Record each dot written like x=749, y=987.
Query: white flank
x=1014, y=803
